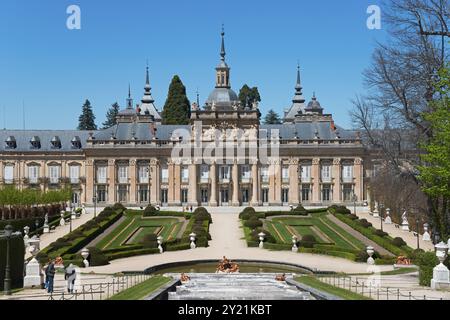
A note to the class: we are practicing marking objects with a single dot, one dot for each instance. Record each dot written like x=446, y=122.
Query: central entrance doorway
x=224, y=197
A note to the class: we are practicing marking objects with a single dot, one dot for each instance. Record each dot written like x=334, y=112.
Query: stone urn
x=85, y=255
x=370, y=251
x=294, y=243
x=388, y=219
x=26, y=237
x=375, y=210
x=261, y=236
x=62, y=222
x=192, y=237
x=426, y=235
x=405, y=223
x=160, y=241
x=73, y=215
x=34, y=276
x=441, y=274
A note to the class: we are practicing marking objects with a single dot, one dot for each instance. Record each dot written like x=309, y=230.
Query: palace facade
x=308, y=159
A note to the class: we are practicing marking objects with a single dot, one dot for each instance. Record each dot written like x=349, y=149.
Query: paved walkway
x=410, y=239
x=359, y=236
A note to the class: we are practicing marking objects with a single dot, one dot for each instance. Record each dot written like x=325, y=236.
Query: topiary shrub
x=380, y=233
x=300, y=210
x=253, y=222
x=97, y=257
x=398, y=242
x=353, y=216
x=202, y=216
x=149, y=241
x=426, y=262
x=150, y=211
x=200, y=210
x=364, y=223
x=118, y=206
x=414, y=255
x=247, y=211
x=307, y=241
x=339, y=209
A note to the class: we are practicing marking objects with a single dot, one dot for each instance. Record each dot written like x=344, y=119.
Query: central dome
x=222, y=96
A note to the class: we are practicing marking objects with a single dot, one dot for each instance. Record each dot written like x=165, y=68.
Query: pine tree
x=247, y=96
x=177, y=109
x=272, y=118
x=86, y=121
x=111, y=116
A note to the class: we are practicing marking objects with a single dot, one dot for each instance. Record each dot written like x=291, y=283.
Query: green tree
x=177, y=109
x=435, y=173
x=86, y=121
x=111, y=116
x=272, y=118
x=247, y=96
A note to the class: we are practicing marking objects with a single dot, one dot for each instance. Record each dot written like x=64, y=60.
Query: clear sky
x=53, y=69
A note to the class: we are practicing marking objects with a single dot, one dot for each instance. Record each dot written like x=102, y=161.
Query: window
x=245, y=173
x=101, y=174
x=326, y=192
x=285, y=174
x=143, y=174
x=204, y=173
x=33, y=174
x=306, y=173
x=224, y=173
x=54, y=174
x=143, y=193
x=8, y=174
x=164, y=174
x=74, y=172
x=285, y=196
x=326, y=173
x=265, y=174
x=122, y=193
x=347, y=191
x=184, y=174
x=184, y=196
x=306, y=192
x=204, y=195
x=101, y=194
x=265, y=195
x=122, y=174
x=347, y=173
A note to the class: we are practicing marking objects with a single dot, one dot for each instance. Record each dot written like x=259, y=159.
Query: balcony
x=347, y=179
x=246, y=180
x=205, y=181
x=306, y=179
x=184, y=180
x=224, y=180
x=326, y=179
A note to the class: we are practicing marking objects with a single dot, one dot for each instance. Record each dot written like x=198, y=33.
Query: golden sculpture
x=226, y=266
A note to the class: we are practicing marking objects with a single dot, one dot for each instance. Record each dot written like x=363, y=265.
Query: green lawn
x=303, y=226
x=135, y=224
x=142, y=289
x=319, y=285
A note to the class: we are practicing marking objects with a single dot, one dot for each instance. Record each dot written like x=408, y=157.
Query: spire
x=147, y=98
x=129, y=99
x=298, y=98
x=198, y=98
x=222, y=49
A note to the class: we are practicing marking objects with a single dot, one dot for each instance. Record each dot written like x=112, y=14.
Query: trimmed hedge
x=426, y=262
x=385, y=242
x=150, y=211
x=339, y=209
x=339, y=254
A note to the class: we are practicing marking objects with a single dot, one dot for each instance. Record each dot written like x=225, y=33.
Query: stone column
x=336, y=174
x=278, y=183
x=358, y=175
x=133, y=181
x=154, y=182
x=255, y=183
x=84, y=186
x=171, y=190
x=90, y=176
x=293, y=182
x=213, y=177
x=235, y=178
x=193, y=185
x=42, y=174
x=111, y=181
x=1, y=172
x=176, y=184
x=315, y=174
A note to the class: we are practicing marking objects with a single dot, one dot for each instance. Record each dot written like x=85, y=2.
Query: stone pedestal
x=441, y=277
x=388, y=219
x=34, y=277
x=375, y=211
x=62, y=222
x=426, y=235
x=405, y=226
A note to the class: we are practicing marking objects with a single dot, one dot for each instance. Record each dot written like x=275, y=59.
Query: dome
x=222, y=96
x=314, y=105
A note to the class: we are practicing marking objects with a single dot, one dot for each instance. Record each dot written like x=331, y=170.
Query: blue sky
x=53, y=69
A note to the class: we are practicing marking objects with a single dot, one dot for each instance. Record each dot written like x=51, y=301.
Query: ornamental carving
x=153, y=162
x=358, y=161
x=336, y=161
x=111, y=162
x=315, y=161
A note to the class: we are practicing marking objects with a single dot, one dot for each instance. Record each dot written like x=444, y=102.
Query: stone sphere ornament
x=192, y=237
x=370, y=251
x=261, y=236
x=85, y=254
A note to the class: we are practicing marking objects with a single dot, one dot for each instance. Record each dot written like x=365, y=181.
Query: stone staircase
x=244, y=286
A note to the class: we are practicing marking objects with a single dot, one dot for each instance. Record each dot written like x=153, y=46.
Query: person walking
x=70, y=276
x=50, y=275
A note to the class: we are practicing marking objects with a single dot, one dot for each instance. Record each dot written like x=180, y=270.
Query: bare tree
x=400, y=83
